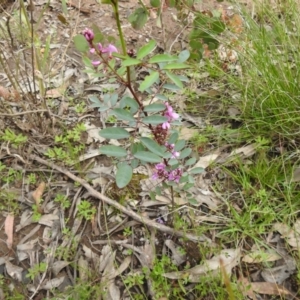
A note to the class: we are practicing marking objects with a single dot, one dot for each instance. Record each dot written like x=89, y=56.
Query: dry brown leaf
x=9, y=229
x=246, y=288
x=54, y=93
x=205, y=161
x=38, y=193
x=229, y=258
x=4, y=93
x=268, y=288
x=235, y=23
x=261, y=256
x=291, y=235
x=247, y=151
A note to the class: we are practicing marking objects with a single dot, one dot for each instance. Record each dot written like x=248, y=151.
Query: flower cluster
x=89, y=36
x=171, y=116
x=164, y=174
x=161, y=133
x=170, y=148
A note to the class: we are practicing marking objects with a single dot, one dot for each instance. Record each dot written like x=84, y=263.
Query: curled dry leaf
x=205, y=161
x=228, y=258
x=291, y=235
x=268, y=288
x=9, y=229
x=178, y=257
x=38, y=193
x=13, y=271
x=83, y=267
x=4, y=93
x=261, y=256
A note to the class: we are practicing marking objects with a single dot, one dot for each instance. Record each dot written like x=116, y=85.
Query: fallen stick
x=118, y=206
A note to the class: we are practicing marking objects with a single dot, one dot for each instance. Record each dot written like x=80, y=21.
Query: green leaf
x=155, y=107
x=123, y=175
x=161, y=97
x=134, y=163
x=146, y=49
x=81, y=43
x=179, y=145
x=196, y=170
x=136, y=147
x=123, y=114
x=173, y=138
x=176, y=66
x=147, y=156
x=99, y=37
x=162, y=58
x=111, y=150
x=155, y=120
x=183, y=56
x=138, y=18
x=129, y=102
x=185, y=153
x=116, y=54
x=114, y=133
x=171, y=87
x=155, y=3
x=175, y=79
x=131, y=62
x=190, y=161
x=148, y=81
x=153, y=146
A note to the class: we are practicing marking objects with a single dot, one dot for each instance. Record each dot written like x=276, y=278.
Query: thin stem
x=123, y=44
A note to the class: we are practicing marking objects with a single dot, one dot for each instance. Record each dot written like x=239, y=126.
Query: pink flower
x=175, y=154
x=175, y=175
x=170, y=114
x=160, y=166
x=96, y=63
x=165, y=125
x=92, y=50
x=88, y=34
x=109, y=49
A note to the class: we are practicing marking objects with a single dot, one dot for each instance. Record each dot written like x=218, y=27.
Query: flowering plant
x=160, y=146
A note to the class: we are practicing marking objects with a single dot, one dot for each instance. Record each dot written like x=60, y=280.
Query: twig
x=24, y=113
x=118, y=206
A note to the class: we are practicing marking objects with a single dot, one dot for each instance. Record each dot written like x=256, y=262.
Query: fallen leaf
x=229, y=258
x=268, y=288
x=9, y=229
x=38, y=193
x=13, y=271
x=247, y=151
x=205, y=161
x=291, y=235
x=246, y=288
x=4, y=93
x=261, y=256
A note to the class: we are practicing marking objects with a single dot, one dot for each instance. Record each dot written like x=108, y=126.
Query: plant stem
x=115, y=6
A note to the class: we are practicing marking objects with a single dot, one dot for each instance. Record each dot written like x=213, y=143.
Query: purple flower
x=88, y=34
x=175, y=154
x=175, y=175
x=170, y=114
x=96, y=63
x=160, y=166
x=154, y=176
x=109, y=49
x=165, y=125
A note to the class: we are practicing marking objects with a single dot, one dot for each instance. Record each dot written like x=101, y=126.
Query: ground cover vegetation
x=142, y=162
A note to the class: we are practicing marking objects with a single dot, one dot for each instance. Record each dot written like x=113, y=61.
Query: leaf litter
x=103, y=258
